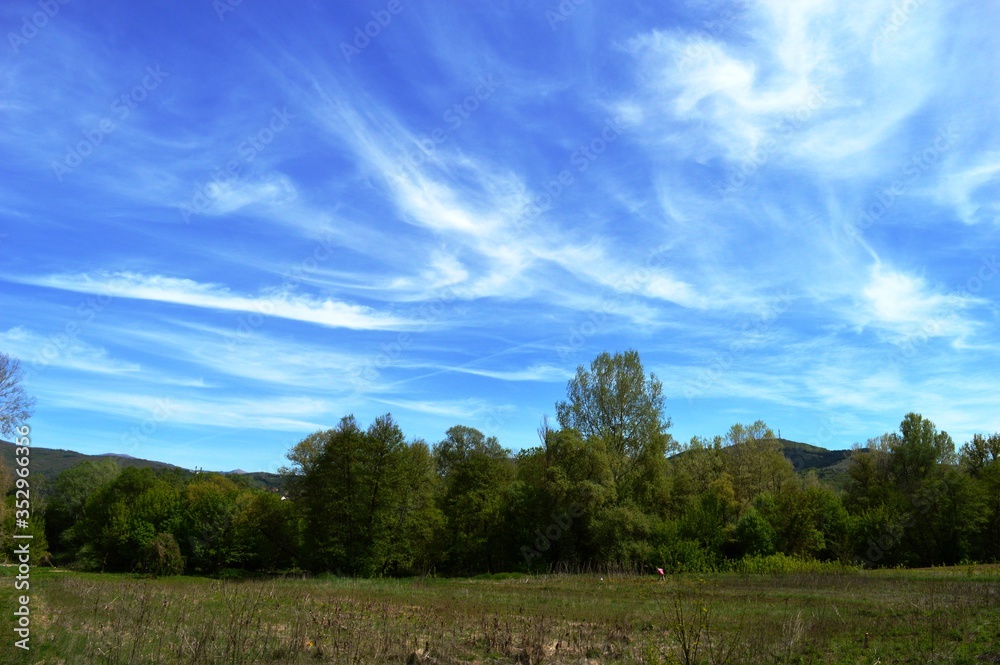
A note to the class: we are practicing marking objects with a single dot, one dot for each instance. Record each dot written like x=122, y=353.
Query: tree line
x=607, y=487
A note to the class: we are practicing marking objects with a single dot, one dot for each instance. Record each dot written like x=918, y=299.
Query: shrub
x=162, y=556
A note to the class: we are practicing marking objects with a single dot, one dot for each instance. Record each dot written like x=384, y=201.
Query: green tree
x=65, y=508
x=161, y=556
x=208, y=532
x=419, y=521
x=755, y=461
x=123, y=516
x=267, y=530
x=353, y=492
x=475, y=472
x=980, y=452
x=16, y=405
x=560, y=488
x=618, y=403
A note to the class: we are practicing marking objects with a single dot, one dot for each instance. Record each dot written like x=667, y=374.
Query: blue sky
x=226, y=225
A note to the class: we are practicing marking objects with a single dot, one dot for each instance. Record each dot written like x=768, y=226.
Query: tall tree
x=617, y=402
x=353, y=490
x=475, y=472
x=755, y=461
x=69, y=495
x=15, y=404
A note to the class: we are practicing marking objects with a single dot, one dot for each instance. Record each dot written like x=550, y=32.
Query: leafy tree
x=616, y=402
x=162, y=556
x=917, y=450
x=755, y=461
x=980, y=452
x=123, y=516
x=15, y=404
x=353, y=491
x=475, y=472
x=559, y=489
x=419, y=521
x=208, y=530
x=267, y=530
x=65, y=507
x=754, y=535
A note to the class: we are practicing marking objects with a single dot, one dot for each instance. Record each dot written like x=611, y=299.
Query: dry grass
x=926, y=616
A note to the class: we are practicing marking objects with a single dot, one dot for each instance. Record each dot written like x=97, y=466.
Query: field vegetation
x=821, y=616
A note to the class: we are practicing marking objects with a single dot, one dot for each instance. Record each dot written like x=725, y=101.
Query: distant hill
x=804, y=456
x=50, y=462
x=829, y=465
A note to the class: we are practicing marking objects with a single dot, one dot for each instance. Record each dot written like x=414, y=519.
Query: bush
x=162, y=556
x=783, y=564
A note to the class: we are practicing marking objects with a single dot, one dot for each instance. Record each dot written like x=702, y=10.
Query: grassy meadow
x=924, y=616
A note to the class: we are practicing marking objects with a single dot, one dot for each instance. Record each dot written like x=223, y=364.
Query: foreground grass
x=926, y=616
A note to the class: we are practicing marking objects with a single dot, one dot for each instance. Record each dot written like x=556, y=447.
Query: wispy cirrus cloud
x=181, y=291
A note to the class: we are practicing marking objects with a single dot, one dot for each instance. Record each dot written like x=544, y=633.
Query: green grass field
x=924, y=616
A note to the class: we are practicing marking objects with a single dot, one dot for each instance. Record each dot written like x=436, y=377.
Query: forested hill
x=50, y=462
x=804, y=456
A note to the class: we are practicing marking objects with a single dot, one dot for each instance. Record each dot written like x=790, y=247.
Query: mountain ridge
x=50, y=462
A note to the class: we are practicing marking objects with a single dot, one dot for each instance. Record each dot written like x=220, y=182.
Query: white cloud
x=60, y=350
x=280, y=304
x=903, y=307
x=227, y=197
